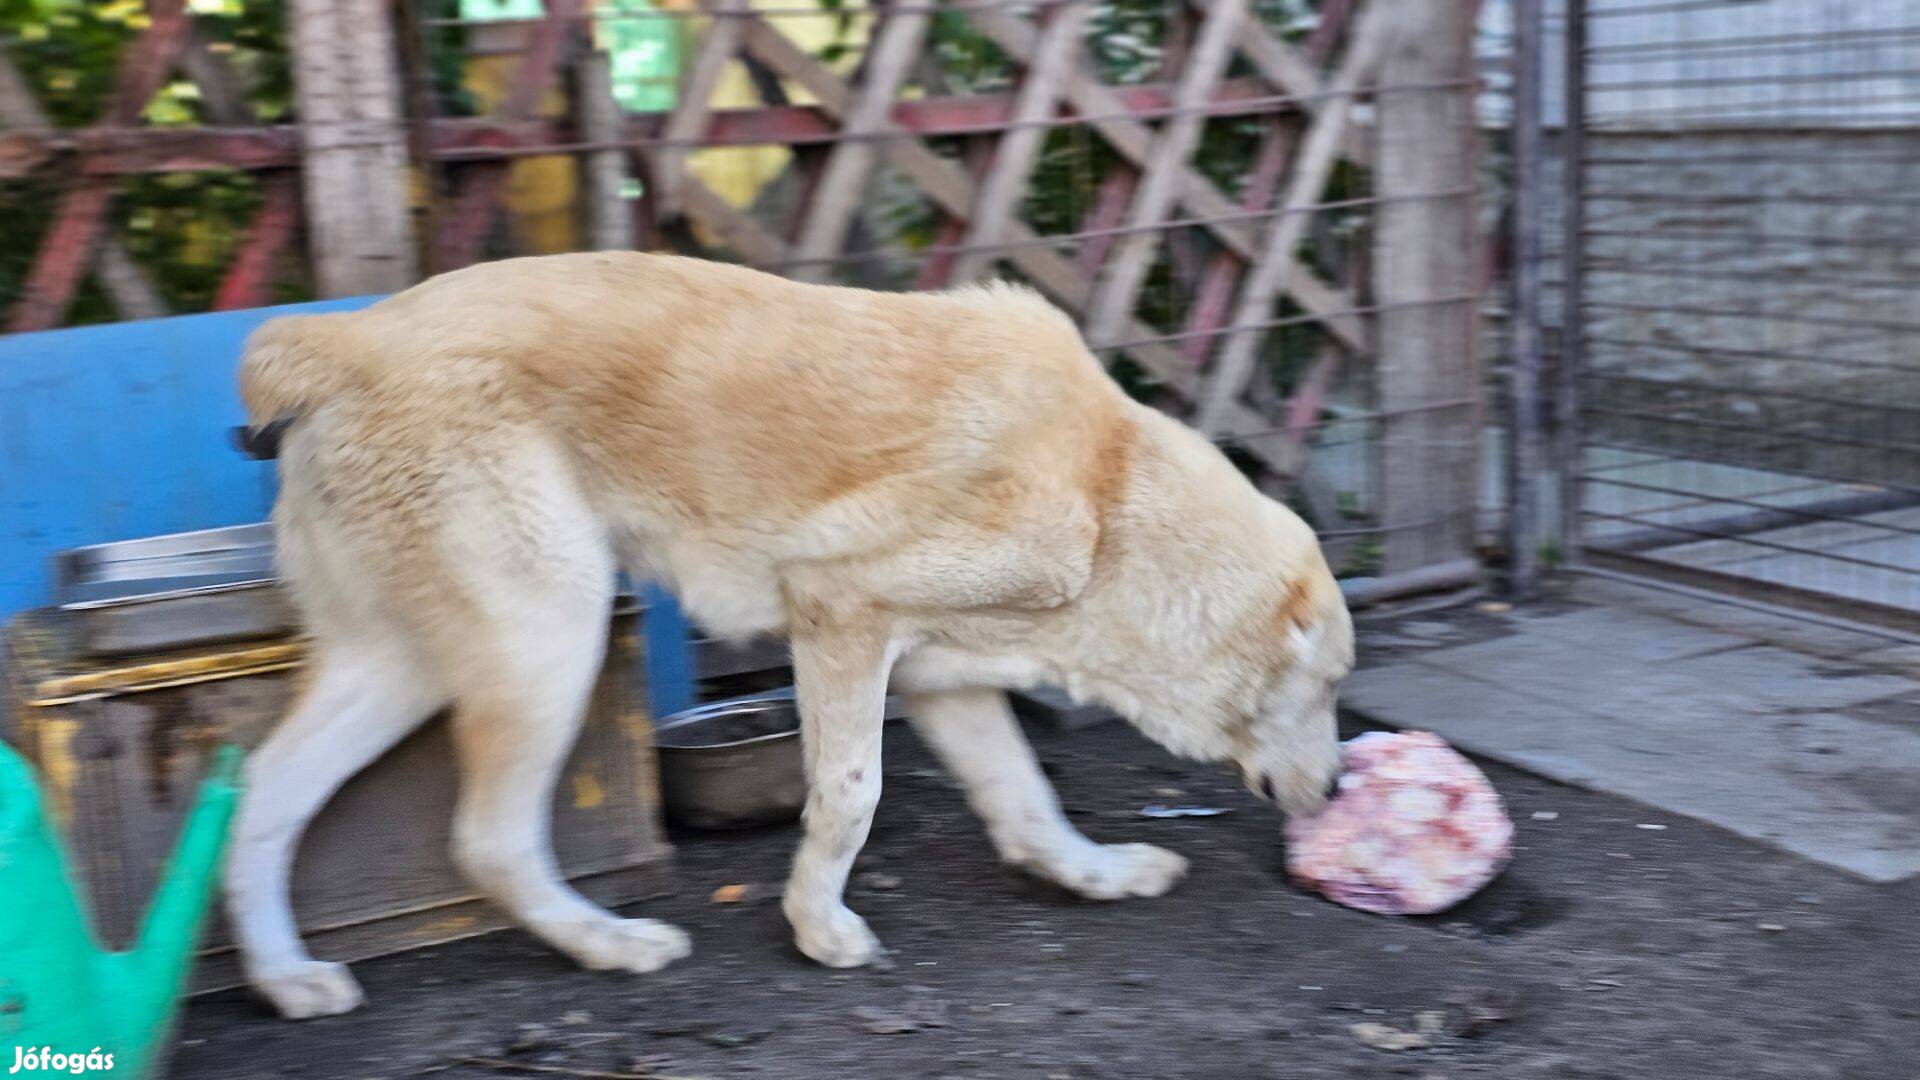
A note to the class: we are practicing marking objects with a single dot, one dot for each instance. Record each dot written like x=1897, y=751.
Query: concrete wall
x=1775, y=270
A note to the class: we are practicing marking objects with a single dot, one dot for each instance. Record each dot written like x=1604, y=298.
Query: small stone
x=1387, y=1037
x=879, y=882
x=1545, y=815
x=926, y=1012
x=1771, y=927
x=1168, y=792
x=1393, y=947
x=1495, y=607
x=1806, y=900
x=532, y=1037
x=577, y=1017
x=732, y=1040
x=882, y=1021
x=668, y=1029
x=729, y=894
x=1651, y=828
x=1477, y=1012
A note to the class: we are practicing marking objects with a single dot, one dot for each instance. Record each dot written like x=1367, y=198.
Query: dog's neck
x=1185, y=560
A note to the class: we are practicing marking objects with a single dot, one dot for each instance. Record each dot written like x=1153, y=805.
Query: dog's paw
x=309, y=989
x=839, y=939
x=1117, y=871
x=636, y=945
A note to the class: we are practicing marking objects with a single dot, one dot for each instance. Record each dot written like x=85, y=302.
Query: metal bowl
x=733, y=764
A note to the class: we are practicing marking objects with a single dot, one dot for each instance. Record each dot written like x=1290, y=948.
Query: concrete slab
x=1782, y=630
x=1637, y=636
x=1773, y=743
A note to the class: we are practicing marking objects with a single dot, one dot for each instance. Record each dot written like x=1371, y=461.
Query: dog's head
x=1213, y=621
x=1237, y=656
x=1287, y=746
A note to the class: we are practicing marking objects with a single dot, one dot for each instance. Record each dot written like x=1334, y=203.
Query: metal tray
x=173, y=591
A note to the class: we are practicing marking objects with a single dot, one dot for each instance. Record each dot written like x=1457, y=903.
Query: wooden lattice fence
x=1364, y=119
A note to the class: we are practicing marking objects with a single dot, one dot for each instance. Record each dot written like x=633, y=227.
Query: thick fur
x=944, y=490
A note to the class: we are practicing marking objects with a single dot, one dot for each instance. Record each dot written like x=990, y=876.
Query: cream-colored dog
x=943, y=490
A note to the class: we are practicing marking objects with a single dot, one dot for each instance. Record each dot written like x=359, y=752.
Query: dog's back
x=697, y=407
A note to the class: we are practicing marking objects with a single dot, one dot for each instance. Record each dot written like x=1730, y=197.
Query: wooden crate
x=121, y=747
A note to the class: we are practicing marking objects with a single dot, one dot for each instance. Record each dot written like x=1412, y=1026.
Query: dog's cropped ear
x=261, y=443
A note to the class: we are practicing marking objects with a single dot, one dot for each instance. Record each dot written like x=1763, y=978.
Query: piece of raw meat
x=1415, y=828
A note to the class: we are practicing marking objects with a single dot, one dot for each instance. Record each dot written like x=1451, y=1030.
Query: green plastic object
x=60, y=994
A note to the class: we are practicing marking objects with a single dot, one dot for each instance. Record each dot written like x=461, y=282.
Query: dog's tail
x=292, y=365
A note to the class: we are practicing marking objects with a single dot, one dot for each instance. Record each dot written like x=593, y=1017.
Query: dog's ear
x=261, y=443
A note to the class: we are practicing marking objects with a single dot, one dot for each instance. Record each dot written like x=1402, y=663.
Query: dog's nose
x=1333, y=788
x=1266, y=789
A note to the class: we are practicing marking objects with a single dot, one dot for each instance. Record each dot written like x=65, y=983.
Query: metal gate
x=1739, y=244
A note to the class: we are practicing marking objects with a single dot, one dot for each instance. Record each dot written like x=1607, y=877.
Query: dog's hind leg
x=974, y=733
x=364, y=698
x=524, y=665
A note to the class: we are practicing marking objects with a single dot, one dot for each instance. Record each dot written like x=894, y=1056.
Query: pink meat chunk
x=1415, y=828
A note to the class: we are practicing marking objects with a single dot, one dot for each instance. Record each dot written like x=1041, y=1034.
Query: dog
x=941, y=492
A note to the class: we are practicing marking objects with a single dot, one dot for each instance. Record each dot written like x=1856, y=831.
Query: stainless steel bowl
x=733, y=764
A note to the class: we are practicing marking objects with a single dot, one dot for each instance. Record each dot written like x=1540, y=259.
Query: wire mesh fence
x=1740, y=265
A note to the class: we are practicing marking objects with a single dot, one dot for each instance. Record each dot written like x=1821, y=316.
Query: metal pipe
x=1777, y=436
x=1893, y=326
x=1200, y=221
x=1225, y=106
x=1669, y=7
x=1691, y=269
x=1709, y=457
x=1296, y=320
x=1702, y=82
x=1892, y=624
x=1692, y=386
x=1704, y=44
x=1363, y=591
x=831, y=11
x=1895, y=241
x=1756, y=354
x=1761, y=517
x=1526, y=442
x=1573, y=260
x=1752, y=541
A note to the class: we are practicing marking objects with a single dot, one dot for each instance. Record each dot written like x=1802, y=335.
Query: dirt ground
x=1607, y=950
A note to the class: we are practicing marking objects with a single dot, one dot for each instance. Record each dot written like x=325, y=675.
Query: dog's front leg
x=840, y=673
x=976, y=736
